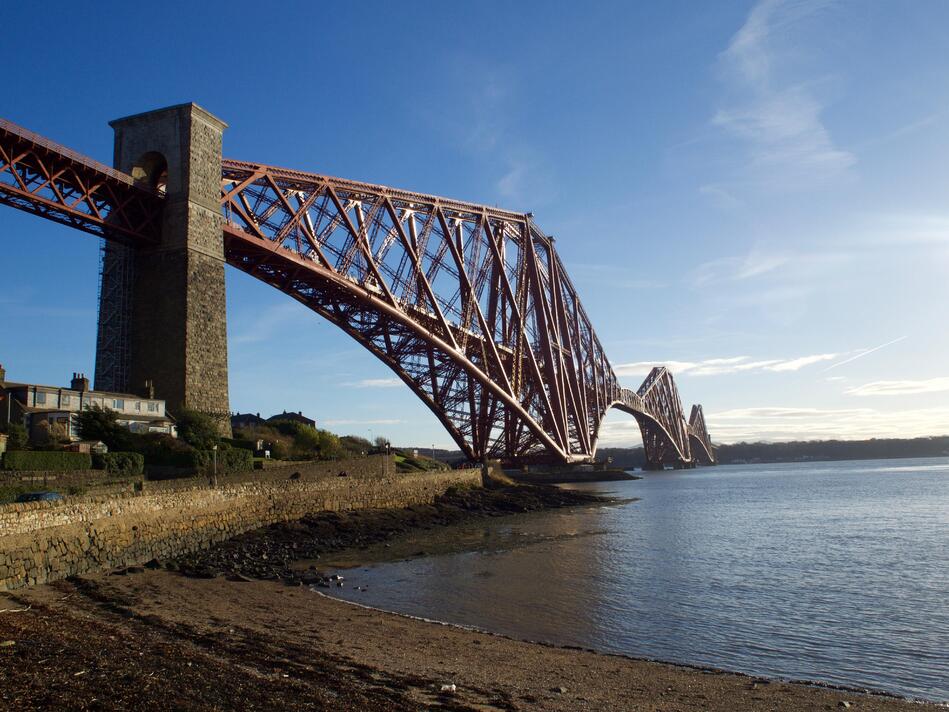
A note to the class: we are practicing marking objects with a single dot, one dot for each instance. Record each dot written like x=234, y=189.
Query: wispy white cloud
x=760, y=261
x=777, y=423
x=511, y=184
x=723, y=366
x=486, y=97
x=778, y=121
x=744, y=364
x=721, y=196
x=886, y=230
x=483, y=94
x=864, y=352
x=785, y=130
x=901, y=388
x=905, y=130
x=527, y=179
x=266, y=323
x=796, y=364
x=375, y=383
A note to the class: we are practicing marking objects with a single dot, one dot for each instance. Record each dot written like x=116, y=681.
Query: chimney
x=79, y=382
x=3, y=374
x=149, y=390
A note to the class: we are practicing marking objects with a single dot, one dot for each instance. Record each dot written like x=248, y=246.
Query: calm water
x=830, y=571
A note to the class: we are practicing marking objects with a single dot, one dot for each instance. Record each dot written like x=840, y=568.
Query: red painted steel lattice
x=698, y=433
x=49, y=180
x=469, y=305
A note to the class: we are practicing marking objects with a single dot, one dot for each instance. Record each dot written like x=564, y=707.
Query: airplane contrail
x=864, y=353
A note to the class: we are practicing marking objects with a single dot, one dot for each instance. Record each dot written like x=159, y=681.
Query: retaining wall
x=47, y=541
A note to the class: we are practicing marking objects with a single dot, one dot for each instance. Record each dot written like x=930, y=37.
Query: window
x=118, y=404
x=66, y=400
x=138, y=405
x=152, y=407
x=40, y=398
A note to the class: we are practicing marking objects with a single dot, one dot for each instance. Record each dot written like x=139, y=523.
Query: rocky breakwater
x=271, y=552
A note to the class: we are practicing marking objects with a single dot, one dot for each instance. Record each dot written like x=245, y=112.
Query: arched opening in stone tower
x=152, y=168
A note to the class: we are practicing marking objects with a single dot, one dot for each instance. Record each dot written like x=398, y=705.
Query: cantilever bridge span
x=469, y=305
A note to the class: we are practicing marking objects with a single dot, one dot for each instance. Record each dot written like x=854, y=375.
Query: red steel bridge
x=469, y=305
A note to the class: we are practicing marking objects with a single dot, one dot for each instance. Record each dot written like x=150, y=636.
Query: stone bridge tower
x=162, y=320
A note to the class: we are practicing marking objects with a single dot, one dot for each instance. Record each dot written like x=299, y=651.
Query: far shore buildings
x=246, y=420
x=296, y=417
x=250, y=420
x=47, y=408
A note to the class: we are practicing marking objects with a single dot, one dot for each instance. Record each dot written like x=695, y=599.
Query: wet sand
x=157, y=640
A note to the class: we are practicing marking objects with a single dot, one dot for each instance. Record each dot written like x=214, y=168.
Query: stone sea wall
x=47, y=541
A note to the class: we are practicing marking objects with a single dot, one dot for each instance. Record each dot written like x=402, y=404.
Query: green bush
x=57, y=460
x=228, y=460
x=242, y=444
x=99, y=423
x=161, y=449
x=197, y=429
x=119, y=463
x=17, y=437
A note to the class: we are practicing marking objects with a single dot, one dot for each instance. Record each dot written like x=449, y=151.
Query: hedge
x=228, y=460
x=120, y=463
x=49, y=461
x=242, y=444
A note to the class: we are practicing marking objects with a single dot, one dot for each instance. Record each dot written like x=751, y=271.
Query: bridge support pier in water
x=162, y=315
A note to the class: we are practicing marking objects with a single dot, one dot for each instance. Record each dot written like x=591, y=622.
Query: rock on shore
x=269, y=553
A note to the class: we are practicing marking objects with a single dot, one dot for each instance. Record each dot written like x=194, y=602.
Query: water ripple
x=833, y=571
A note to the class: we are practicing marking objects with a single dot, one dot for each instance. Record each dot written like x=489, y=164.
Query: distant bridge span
x=469, y=305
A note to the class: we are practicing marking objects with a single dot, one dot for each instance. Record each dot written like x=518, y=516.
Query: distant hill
x=797, y=451
x=802, y=451
x=874, y=449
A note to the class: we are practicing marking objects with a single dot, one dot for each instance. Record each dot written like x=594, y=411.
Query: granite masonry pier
x=47, y=541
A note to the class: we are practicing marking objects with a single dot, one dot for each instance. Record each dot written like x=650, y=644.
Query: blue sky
x=754, y=193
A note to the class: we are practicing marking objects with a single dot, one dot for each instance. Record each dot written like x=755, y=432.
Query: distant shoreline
x=838, y=459
x=767, y=453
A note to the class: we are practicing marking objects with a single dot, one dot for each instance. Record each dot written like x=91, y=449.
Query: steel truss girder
x=49, y=180
x=658, y=411
x=501, y=348
x=469, y=305
x=698, y=435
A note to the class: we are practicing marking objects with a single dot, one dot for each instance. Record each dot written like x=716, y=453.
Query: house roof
x=119, y=416
x=9, y=385
x=299, y=417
